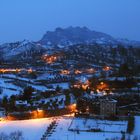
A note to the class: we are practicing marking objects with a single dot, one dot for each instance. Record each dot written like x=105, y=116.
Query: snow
x=61, y=85
x=34, y=129
x=104, y=125
x=8, y=92
x=6, y=83
x=46, y=76
x=8, y=88
x=39, y=87
x=12, y=76
x=116, y=78
x=17, y=48
x=58, y=97
x=137, y=126
x=62, y=133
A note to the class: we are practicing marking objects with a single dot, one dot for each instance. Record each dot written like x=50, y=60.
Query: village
x=69, y=70
x=60, y=84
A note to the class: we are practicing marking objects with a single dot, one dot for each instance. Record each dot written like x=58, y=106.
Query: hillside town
x=75, y=80
x=69, y=69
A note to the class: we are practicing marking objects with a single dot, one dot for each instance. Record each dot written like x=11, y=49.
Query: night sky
x=30, y=19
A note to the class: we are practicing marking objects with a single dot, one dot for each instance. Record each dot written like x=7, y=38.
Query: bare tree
x=17, y=135
x=3, y=136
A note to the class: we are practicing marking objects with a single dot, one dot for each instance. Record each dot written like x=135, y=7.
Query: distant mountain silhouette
x=75, y=35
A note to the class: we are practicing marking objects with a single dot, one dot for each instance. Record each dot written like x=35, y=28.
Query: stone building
x=108, y=107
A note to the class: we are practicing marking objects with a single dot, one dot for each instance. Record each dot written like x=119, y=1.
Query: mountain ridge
x=81, y=35
x=61, y=38
x=74, y=35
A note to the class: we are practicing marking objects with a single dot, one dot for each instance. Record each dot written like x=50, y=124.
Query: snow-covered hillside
x=8, y=89
x=60, y=38
x=20, y=49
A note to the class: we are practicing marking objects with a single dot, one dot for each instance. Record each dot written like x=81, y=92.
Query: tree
x=27, y=93
x=5, y=102
x=16, y=136
x=94, y=82
x=1, y=90
x=58, y=88
x=125, y=71
x=12, y=102
x=123, y=136
x=33, y=75
x=3, y=136
x=131, y=124
x=68, y=99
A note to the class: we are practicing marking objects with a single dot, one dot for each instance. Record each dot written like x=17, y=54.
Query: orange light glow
x=107, y=68
x=10, y=118
x=65, y=72
x=91, y=70
x=49, y=59
x=10, y=70
x=37, y=114
x=30, y=70
x=102, y=83
x=77, y=86
x=72, y=107
x=103, y=86
x=16, y=70
x=78, y=72
x=84, y=86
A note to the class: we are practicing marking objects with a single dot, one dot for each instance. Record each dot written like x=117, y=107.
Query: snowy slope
x=22, y=49
x=8, y=89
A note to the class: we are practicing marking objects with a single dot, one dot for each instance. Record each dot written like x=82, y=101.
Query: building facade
x=108, y=107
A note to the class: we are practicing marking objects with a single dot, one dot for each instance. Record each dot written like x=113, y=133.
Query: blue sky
x=30, y=19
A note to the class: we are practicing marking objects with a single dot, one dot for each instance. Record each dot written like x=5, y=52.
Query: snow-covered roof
x=19, y=102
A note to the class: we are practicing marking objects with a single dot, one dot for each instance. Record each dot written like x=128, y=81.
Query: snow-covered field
x=61, y=85
x=103, y=125
x=34, y=129
x=137, y=126
x=7, y=88
x=62, y=133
